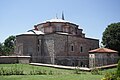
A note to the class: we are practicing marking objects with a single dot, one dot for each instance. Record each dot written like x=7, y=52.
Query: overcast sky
x=93, y=16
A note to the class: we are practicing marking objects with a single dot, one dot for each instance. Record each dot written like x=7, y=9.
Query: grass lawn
x=52, y=77
x=58, y=74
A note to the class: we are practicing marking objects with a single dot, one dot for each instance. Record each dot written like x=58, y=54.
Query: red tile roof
x=102, y=50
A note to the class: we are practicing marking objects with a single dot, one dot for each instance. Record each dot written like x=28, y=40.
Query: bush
x=11, y=71
x=96, y=71
x=114, y=75
x=15, y=70
x=118, y=78
x=110, y=76
x=38, y=72
x=118, y=69
x=50, y=73
x=77, y=70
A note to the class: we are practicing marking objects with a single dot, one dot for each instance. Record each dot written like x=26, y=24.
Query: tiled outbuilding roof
x=102, y=50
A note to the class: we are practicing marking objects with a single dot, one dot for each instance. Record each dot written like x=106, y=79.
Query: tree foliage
x=1, y=48
x=118, y=69
x=113, y=75
x=9, y=42
x=8, y=46
x=111, y=36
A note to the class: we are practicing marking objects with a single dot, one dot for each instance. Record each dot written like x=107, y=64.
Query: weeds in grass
x=11, y=71
x=77, y=70
x=38, y=72
x=96, y=71
x=18, y=70
x=50, y=72
x=14, y=70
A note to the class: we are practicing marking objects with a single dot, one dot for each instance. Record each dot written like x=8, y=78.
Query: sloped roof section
x=103, y=50
x=33, y=32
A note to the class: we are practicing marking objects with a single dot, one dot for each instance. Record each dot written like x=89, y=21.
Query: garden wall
x=14, y=59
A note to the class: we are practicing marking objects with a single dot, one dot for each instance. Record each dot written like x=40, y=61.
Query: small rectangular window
x=38, y=48
x=38, y=41
x=81, y=49
x=72, y=48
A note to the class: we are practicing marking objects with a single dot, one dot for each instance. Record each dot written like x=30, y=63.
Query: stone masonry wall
x=26, y=45
x=48, y=48
x=102, y=59
x=14, y=59
x=56, y=48
x=65, y=56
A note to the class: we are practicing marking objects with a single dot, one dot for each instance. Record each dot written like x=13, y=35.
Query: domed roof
x=58, y=20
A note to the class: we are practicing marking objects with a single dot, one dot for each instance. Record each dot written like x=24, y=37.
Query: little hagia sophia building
x=56, y=41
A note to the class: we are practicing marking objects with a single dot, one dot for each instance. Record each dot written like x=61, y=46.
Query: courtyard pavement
x=71, y=67
x=61, y=67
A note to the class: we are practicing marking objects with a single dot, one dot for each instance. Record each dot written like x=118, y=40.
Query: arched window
x=81, y=49
x=38, y=48
x=72, y=47
x=38, y=42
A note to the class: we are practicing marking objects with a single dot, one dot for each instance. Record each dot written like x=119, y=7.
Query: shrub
x=113, y=75
x=17, y=71
x=96, y=71
x=77, y=70
x=44, y=72
x=11, y=71
x=110, y=76
x=118, y=69
x=118, y=78
x=50, y=73
x=38, y=72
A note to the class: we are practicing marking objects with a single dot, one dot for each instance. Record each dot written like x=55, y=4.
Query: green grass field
x=58, y=74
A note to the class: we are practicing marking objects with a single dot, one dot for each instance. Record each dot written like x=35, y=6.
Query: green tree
x=118, y=69
x=9, y=42
x=1, y=48
x=9, y=45
x=111, y=37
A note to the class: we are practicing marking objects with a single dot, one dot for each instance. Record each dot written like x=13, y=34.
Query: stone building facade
x=102, y=57
x=56, y=41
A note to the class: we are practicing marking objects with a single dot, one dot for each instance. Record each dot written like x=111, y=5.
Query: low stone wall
x=14, y=59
